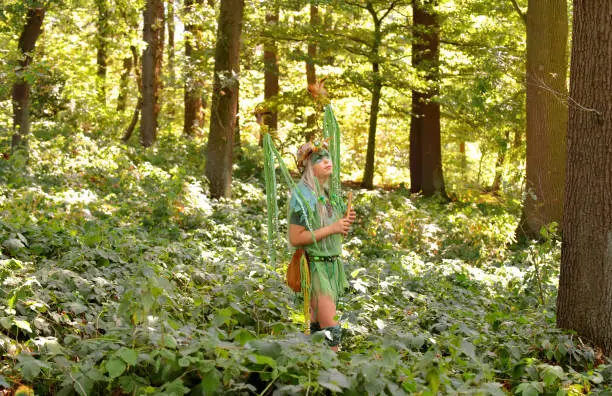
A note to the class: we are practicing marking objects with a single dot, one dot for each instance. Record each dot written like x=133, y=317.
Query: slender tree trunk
x=128, y=63
x=425, y=140
x=130, y=129
x=547, y=30
x=368, y=173
x=271, y=85
x=584, y=302
x=137, y=71
x=499, y=165
x=21, y=88
x=194, y=108
x=170, y=24
x=153, y=34
x=101, y=44
x=237, y=139
x=311, y=74
x=462, y=156
x=518, y=139
x=219, y=159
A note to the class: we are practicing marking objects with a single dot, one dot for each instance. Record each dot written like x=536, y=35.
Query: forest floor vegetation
x=118, y=275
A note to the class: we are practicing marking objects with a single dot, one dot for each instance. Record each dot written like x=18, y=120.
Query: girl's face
x=322, y=165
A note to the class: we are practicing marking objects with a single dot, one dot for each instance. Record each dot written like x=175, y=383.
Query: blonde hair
x=311, y=181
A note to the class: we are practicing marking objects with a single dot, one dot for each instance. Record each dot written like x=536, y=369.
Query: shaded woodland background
x=130, y=151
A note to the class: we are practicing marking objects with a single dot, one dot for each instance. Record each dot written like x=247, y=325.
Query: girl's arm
x=300, y=236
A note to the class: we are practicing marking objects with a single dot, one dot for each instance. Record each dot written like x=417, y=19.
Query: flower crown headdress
x=306, y=151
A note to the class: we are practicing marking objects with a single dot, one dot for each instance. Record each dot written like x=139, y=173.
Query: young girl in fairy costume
x=317, y=223
x=318, y=218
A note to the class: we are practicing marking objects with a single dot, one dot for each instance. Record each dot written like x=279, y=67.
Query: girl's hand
x=351, y=216
x=341, y=226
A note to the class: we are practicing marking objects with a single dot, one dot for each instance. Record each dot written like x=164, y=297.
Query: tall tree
x=170, y=24
x=311, y=72
x=153, y=34
x=270, y=61
x=378, y=17
x=425, y=142
x=21, y=89
x=584, y=302
x=129, y=62
x=219, y=159
x=547, y=31
x=194, y=109
x=101, y=46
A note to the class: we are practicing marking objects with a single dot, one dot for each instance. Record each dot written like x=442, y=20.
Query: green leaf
x=169, y=341
x=6, y=322
x=333, y=380
x=83, y=385
x=468, y=348
x=211, y=381
x=115, y=367
x=260, y=359
x=3, y=382
x=243, y=336
x=30, y=367
x=551, y=374
x=22, y=324
x=175, y=387
x=184, y=361
x=129, y=356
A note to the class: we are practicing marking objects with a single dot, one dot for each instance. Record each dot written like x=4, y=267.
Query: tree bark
x=129, y=62
x=101, y=44
x=584, y=301
x=130, y=129
x=219, y=159
x=271, y=85
x=425, y=141
x=547, y=30
x=462, y=156
x=21, y=89
x=368, y=172
x=194, y=108
x=499, y=165
x=311, y=73
x=170, y=24
x=153, y=34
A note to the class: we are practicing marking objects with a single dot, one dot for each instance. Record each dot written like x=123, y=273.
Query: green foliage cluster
x=119, y=276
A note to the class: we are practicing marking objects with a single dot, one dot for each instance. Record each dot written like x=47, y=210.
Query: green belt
x=326, y=259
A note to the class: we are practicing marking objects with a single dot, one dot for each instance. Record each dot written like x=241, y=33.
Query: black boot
x=333, y=335
x=314, y=327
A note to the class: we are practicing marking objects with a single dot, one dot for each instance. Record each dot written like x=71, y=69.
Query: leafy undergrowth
x=119, y=276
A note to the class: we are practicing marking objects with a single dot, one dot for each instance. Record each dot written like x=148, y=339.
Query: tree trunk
x=499, y=165
x=368, y=174
x=153, y=34
x=311, y=74
x=101, y=44
x=21, y=88
x=584, y=301
x=225, y=99
x=271, y=86
x=130, y=129
x=128, y=63
x=194, y=108
x=462, y=156
x=170, y=24
x=425, y=140
x=547, y=30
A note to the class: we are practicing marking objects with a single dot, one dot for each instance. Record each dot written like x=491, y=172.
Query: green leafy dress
x=326, y=269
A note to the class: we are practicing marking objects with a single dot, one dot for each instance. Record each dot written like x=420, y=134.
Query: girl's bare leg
x=324, y=310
